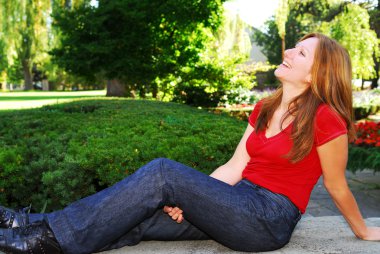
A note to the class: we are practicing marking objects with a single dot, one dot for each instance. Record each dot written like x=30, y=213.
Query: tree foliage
x=281, y=17
x=134, y=41
x=24, y=23
x=346, y=22
x=217, y=70
x=374, y=13
x=352, y=29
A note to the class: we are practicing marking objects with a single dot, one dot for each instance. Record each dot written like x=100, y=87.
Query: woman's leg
x=238, y=217
x=160, y=227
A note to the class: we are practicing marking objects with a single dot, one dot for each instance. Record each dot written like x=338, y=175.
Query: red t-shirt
x=268, y=168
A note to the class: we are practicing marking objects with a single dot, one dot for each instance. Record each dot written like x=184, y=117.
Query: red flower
x=368, y=134
x=358, y=141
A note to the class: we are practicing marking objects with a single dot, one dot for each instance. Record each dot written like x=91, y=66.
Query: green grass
x=34, y=99
x=59, y=153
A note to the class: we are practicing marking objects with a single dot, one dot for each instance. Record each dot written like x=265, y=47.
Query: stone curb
x=317, y=235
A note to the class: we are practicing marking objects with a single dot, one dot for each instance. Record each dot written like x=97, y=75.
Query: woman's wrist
x=362, y=233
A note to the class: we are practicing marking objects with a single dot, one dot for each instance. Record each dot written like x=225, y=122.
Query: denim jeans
x=243, y=217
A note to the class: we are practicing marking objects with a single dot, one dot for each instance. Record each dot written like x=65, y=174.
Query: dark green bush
x=58, y=154
x=197, y=95
x=363, y=158
x=364, y=111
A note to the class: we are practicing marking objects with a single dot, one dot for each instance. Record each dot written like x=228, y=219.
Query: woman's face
x=296, y=67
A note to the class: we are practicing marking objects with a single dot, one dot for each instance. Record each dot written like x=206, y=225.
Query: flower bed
x=368, y=134
x=364, y=152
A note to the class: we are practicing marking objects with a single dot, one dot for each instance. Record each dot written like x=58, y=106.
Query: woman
x=251, y=203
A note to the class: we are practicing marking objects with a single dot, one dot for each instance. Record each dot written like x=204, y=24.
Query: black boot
x=12, y=219
x=36, y=238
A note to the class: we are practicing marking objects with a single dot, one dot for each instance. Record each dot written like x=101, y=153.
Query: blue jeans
x=244, y=217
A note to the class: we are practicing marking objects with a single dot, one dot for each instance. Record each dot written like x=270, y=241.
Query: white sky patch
x=253, y=12
x=94, y=3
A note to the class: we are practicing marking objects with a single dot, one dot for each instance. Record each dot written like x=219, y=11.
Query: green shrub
x=363, y=158
x=196, y=95
x=58, y=154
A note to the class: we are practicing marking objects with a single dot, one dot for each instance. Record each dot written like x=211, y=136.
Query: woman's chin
x=278, y=74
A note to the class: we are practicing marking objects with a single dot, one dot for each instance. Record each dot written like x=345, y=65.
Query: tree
x=281, y=17
x=302, y=18
x=132, y=42
x=346, y=22
x=3, y=64
x=25, y=24
x=374, y=14
x=351, y=28
x=217, y=70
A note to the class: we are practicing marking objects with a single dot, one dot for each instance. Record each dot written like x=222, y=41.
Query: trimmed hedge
x=57, y=154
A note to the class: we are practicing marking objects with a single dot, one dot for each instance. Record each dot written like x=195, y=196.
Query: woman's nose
x=287, y=52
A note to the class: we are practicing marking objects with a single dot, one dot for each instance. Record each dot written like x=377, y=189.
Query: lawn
x=35, y=99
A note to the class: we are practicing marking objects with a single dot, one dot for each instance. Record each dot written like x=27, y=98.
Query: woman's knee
x=159, y=165
x=160, y=160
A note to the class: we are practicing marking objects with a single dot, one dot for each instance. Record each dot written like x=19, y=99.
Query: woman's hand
x=175, y=213
x=372, y=234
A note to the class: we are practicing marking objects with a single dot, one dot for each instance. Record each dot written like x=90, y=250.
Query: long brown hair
x=331, y=74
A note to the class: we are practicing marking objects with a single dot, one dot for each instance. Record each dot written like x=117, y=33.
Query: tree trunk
x=45, y=85
x=154, y=90
x=376, y=27
x=28, y=79
x=115, y=88
x=68, y=4
x=283, y=47
x=118, y=89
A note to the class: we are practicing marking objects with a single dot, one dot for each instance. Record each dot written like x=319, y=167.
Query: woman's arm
x=333, y=156
x=231, y=172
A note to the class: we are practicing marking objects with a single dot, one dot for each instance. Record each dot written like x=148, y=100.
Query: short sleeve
x=255, y=113
x=329, y=125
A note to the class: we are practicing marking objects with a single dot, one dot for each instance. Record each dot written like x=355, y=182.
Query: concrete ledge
x=322, y=235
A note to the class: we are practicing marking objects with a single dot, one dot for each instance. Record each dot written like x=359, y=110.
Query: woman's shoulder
x=255, y=113
x=328, y=124
x=323, y=107
x=259, y=103
x=325, y=111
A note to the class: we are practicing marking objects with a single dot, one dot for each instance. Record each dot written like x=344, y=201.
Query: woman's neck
x=288, y=94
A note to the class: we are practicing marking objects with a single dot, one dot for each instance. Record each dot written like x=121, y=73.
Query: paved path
x=365, y=186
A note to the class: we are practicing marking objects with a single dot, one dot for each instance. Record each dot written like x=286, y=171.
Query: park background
x=92, y=90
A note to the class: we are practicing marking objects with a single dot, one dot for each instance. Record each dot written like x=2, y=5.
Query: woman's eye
x=303, y=54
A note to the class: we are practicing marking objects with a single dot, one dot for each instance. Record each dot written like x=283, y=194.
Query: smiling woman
x=252, y=202
x=296, y=67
